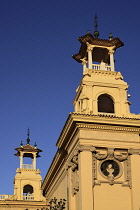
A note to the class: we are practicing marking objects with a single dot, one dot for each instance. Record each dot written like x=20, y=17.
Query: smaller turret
x=27, y=183
x=28, y=151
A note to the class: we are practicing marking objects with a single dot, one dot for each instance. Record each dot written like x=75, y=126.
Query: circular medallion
x=110, y=168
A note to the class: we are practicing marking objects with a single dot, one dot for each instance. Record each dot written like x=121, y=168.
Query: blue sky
x=38, y=76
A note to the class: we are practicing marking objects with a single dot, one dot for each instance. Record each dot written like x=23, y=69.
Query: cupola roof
x=100, y=48
x=28, y=149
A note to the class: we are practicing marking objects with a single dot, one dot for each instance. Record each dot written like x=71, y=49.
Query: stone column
x=85, y=180
x=34, y=161
x=111, y=53
x=89, y=50
x=84, y=64
x=21, y=160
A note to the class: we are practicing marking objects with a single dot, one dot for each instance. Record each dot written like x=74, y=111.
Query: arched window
x=28, y=192
x=105, y=104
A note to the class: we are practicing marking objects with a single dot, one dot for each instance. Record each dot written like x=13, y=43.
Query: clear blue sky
x=38, y=76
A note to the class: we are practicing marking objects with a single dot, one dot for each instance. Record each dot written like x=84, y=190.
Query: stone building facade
x=96, y=164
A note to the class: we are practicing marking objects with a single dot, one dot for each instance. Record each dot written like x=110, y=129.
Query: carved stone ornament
x=111, y=170
x=73, y=164
x=110, y=154
x=75, y=175
x=75, y=182
x=110, y=167
x=128, y=181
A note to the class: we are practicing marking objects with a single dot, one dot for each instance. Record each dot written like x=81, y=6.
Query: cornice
x=93, y=122
x=22, y=203
x=109, y=128
x=20, y=170
x=106, y=116
x=115, y=74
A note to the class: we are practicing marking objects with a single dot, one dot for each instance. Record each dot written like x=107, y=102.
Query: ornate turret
x=28, y=151
x=27, y=184
x=97, y=53
x=102, y=89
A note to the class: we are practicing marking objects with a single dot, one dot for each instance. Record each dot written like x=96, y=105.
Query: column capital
x=82, y=148
x=89, y=47
x=111, y=51
x=84, y=61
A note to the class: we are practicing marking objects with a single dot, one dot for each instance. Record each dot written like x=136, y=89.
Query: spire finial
x=110, y=36
x=35, y=145
x=96, y=32
x=21, y=143
x=28, y=135
x=95, y=22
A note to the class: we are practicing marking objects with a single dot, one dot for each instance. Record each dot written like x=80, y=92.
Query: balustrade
x=28, y=197
x=27, y=166
x=3, y=197
x=98, y=67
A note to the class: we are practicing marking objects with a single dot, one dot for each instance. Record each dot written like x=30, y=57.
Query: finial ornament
x=35, y=145
x=96, y=32
x=28, y=135
x=88, y=31
x=110, y=36
x=21, y=144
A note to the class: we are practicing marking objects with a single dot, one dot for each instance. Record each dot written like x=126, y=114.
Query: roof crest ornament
x=28, y=136
x=96, y=32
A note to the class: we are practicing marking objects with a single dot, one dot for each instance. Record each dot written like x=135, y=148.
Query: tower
x=102, y=89
x=27, y=182
x=96, y=165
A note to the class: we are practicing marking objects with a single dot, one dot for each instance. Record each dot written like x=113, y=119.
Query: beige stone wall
x=114, y=197
x=61, y=190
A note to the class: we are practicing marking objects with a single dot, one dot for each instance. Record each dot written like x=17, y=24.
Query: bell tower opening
x=28, y=192
x=105, y=104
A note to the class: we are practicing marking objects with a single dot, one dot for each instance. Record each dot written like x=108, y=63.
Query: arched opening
x=105, y=104
x=28, y=192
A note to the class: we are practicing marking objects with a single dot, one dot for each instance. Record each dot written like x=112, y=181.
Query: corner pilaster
x=85, y=180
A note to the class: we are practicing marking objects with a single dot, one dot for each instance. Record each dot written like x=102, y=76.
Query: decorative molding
x=134, y=151
x=20, y=170
x=110, y=128
x=135, y=117
x=99, y=156
x=128, y=181
x=94, y=169
x=110, y=154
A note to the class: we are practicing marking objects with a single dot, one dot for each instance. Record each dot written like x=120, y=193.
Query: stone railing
x=28, y=197
x=27, y=166
x=98, y=67
x=4, y=197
